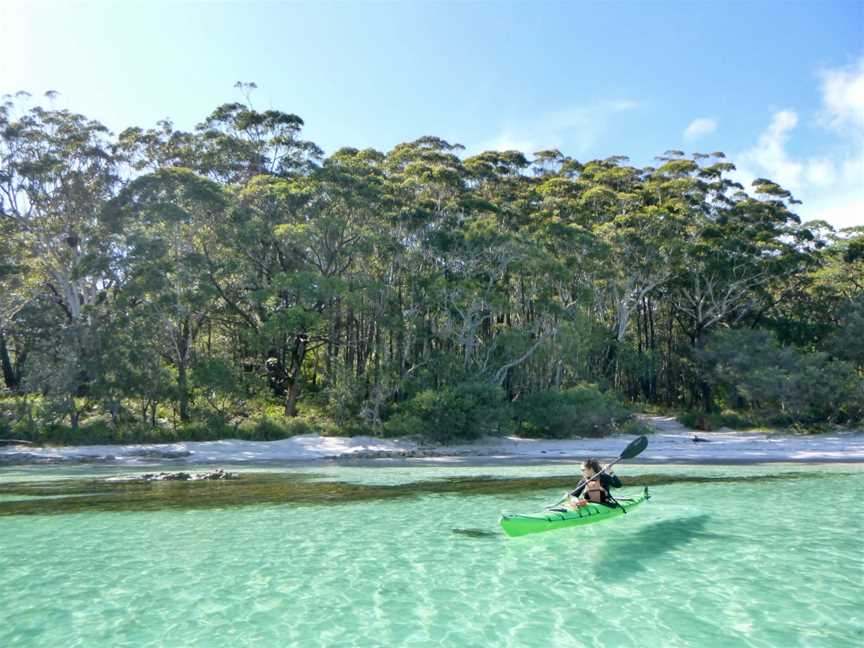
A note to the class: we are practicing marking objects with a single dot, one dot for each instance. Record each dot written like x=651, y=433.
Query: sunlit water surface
x=388, y=557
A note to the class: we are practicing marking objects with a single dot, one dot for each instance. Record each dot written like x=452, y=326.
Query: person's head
x=590, y=467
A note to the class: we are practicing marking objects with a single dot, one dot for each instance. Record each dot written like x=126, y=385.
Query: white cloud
x=831, y=186
x=769, y=157
x=699, y=128
x=845, y=210
x=843, y=97
x=575, y=129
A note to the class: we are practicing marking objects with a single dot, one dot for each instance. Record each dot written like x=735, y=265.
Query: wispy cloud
x=830, y=185
x=577, y=129
x=699, y=128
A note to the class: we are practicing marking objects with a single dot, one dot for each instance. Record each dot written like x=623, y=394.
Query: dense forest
x=235, y=281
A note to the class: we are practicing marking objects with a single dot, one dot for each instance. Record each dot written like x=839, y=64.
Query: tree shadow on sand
x=623, y=557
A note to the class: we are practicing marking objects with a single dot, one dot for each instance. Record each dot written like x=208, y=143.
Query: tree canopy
x=234, y=275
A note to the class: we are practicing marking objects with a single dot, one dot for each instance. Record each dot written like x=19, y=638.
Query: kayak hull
x=520, y=525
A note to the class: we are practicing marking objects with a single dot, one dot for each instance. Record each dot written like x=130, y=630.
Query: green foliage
x=822, y=390
x=847, y=340
x=273, y=429
x=636, y=427
x=580, y=411
x=716, y=420
x=218, y=384
x=781, y=384
x=237, y=284
x=463, y=412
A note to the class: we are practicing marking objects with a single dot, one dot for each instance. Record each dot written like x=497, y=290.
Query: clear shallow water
x=709, y=563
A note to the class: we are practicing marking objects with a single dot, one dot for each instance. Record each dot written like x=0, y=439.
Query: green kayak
x=519, y=525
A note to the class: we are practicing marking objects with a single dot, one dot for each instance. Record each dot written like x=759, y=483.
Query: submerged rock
x=218, y=474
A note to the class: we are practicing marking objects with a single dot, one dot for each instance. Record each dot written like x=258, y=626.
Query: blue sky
x=778, y=86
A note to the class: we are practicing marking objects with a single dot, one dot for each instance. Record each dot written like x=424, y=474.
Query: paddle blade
x=636, y=447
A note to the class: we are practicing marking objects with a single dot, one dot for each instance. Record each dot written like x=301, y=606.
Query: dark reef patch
x=64, y=496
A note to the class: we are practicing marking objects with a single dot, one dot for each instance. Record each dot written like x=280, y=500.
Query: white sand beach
x=670, y=443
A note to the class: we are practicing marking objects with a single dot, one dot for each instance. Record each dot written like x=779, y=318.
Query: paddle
x=635, y=447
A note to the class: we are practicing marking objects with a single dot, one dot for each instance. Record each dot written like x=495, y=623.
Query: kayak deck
x=519, y=525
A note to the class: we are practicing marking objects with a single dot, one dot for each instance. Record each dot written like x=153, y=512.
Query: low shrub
x=272, y=429
x=204, y=430
x=782, y=385
x=463, y=412
x=635, y=427
x=578, y=411
x=716, y=420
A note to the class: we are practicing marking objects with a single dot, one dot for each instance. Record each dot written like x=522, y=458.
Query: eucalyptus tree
x=472, y=290
x=165, y=217
x=58, y=170
x=536, y=213
x=285, y=256
x=426, y=179
x=340, y=256
x=235, y=143
x=255, y=156
x=499, y=180
x=568, y=257
x=832, y=301
x=590, y=217
x=743, y=248
x=13, y=297
x=157, y=148
x=458, y=254
x=352, y=245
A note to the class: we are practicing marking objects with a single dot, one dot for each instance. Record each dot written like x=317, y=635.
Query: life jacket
x=595, y=493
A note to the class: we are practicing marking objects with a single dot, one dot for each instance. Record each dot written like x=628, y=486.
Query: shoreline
x=443, y=462
x=670, y=443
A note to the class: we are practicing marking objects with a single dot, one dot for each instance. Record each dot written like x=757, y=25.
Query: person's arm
x=611, y=480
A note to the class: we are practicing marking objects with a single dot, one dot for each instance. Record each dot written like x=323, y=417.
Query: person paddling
x=596, y=489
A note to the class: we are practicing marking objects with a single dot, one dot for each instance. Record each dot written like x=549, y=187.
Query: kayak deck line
x=523, y=524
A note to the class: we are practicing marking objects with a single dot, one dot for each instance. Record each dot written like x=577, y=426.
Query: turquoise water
x=714, y=562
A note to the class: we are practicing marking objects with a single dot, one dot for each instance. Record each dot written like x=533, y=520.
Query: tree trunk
x=298, y=352
x=183, y=343
x=74, y=417
x=333, y=344
x=349, y=342
x=703, y=389
x=183, y=394
x=9, y=375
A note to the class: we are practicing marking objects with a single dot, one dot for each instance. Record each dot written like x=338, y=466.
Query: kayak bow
x=519, y=525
